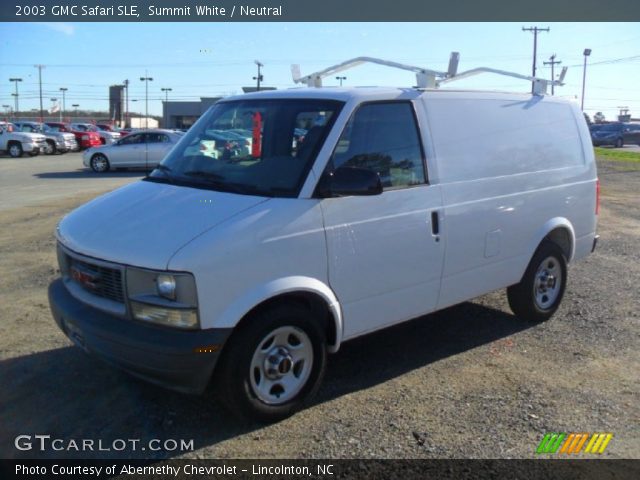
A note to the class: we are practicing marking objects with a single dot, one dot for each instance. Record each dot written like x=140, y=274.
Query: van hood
x=145, y=223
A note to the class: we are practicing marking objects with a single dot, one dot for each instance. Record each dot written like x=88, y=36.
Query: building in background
x=184, y=114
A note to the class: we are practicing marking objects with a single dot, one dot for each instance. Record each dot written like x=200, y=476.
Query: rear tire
x=619, y=143
x=273, y=364
x=99, y=163
x=538, y=295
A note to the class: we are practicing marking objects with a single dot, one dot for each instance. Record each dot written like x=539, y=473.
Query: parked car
x=83, y=138
x=15, y=142
x=400, y=202
x=141, y=149
x=56, y=142
x=616, y=134
x=106, y=137
x=111, y=128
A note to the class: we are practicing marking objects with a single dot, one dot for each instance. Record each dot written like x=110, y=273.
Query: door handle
x=435, y=225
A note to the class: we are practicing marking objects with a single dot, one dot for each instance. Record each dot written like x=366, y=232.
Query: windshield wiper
x=203, y=174
x=164, y=169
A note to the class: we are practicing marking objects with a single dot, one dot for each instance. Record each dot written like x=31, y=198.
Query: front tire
x=273, y=364
x=538, y=295
x=50, y=148
x=15, y=150
x=100, y=163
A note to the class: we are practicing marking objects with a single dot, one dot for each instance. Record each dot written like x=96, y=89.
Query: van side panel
x=508, y=166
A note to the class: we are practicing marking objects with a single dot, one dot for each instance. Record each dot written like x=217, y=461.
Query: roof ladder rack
x=425, y=78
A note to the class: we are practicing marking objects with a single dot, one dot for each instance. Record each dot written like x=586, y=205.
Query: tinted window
x=383, y=137
x=157, y=138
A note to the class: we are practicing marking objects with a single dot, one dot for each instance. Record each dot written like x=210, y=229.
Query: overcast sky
x=212, y=59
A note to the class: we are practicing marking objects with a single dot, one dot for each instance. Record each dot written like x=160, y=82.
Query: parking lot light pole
x=341, y=79
x=146, y=79
x=63, y=90
x=76, y=105
x=166, y=101
x=15, y=80
x=259, y=78
x=586, y=53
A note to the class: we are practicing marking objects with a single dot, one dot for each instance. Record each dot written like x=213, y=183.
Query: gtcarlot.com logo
x=45, y=443
x=572, y=443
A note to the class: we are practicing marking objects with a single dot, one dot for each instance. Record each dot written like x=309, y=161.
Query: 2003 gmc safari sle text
x=333, y=213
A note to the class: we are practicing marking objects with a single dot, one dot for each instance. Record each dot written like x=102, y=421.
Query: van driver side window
x=383, y=137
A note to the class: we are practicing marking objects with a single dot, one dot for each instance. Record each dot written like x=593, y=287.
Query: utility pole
x=259, y=78
x=586, y=53
x=15, y=80
x=552, y=61
x=64, y=105
x=146, y=79
x=166, y=101
x=40, y=67
x=341, y=79
x=126, y=103
x=535, y=31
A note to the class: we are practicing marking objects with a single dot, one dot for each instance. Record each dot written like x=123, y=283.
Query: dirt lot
x=471, y=381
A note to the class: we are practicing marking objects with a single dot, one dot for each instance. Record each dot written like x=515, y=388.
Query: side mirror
x=349, y=181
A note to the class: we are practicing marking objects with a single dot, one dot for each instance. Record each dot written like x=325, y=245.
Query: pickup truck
x=16, y=143
x=84, y=139
x=57, y=142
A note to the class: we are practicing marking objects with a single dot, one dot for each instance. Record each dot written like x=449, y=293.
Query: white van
x=352, y=210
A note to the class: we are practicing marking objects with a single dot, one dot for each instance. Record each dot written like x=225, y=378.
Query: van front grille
x=98, y=280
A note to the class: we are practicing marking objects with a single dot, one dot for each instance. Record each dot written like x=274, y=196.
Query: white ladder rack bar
x=425, y=78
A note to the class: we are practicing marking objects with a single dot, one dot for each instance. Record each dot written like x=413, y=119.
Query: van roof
x=383, y=93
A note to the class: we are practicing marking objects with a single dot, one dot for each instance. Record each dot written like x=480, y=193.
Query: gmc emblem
x=86, y=279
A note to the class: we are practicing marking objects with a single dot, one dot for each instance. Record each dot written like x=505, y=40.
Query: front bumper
x=175, y=359
x=30, y=148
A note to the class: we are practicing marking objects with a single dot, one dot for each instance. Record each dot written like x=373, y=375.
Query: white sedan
x=140, y=149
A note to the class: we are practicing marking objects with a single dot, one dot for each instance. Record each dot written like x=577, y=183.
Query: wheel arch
x=558, y=230
x=310, y=291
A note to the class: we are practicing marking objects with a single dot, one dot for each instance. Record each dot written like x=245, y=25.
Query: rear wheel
x=50, y=148
x=539, y=293
x=619, y=143
x=273, y=364
x=99, y=163
x=15, y=150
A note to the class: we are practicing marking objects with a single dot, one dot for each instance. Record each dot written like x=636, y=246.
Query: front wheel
x=273, y=364
x=15, y=150
x=50, y=148
x=99, y=163
x=539, y=293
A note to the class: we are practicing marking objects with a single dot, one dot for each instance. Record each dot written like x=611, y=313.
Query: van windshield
x=252, y=147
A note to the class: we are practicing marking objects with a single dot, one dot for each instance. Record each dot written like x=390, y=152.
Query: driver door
x=385, y=251
x=130, y=151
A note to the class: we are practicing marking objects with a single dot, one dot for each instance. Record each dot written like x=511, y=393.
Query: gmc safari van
x=285, y=223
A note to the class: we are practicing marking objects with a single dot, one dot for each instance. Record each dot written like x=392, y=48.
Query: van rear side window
x=502, y=137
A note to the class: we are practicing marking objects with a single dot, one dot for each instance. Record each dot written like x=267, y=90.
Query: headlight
x=167, y=298
x=166, y=285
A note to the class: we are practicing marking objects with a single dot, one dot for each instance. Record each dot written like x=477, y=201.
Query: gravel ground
x=471, y=381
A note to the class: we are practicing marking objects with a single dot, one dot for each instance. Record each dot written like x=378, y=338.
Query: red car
x=84, y=139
